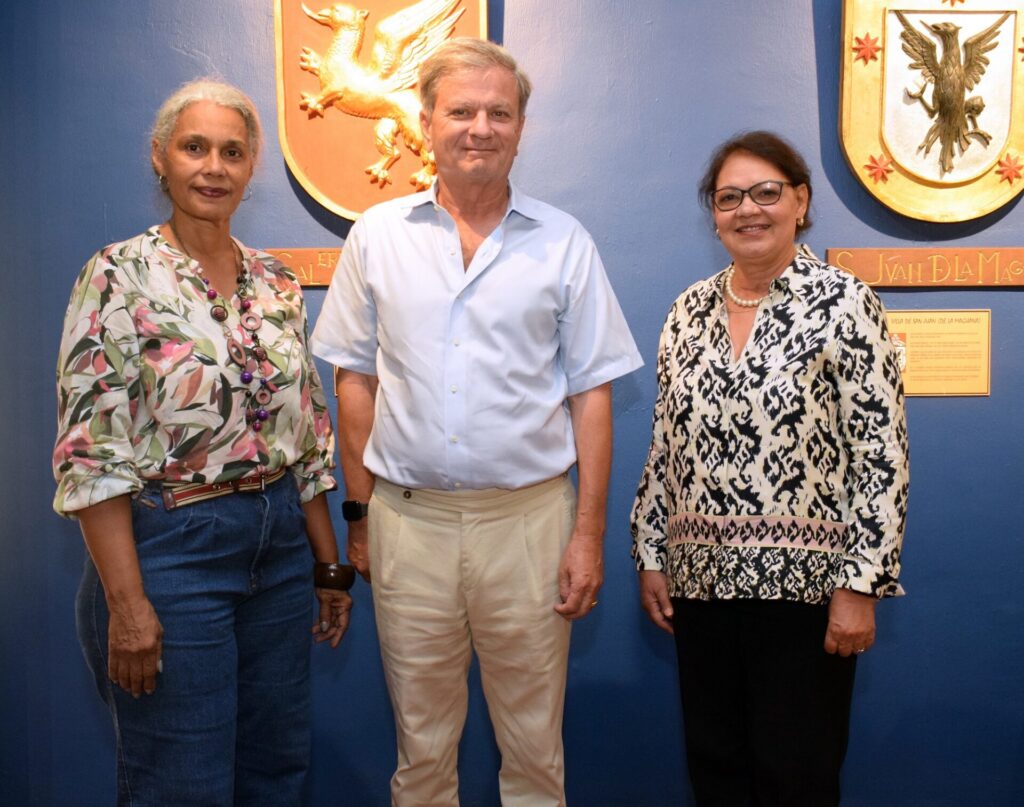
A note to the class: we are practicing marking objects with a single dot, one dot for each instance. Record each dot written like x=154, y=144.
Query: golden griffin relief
x=932, y=104
x=360, y=102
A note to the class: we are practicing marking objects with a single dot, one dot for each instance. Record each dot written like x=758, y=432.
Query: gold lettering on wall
x=313, y=267
x=928, y=267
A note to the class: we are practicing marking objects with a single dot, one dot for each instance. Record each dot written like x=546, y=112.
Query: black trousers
x=766, y=710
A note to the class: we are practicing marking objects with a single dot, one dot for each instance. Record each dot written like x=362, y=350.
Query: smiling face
x=758, y=238
x=475, y=126
x=207, y=162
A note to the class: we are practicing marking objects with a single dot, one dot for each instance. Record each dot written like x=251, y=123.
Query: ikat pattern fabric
x=783, y=474
x=147, y=391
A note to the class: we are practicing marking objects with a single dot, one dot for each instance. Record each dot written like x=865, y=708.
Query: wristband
x=337, y=576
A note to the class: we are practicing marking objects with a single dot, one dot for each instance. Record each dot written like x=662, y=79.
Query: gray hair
x=468, y=53
x=217, y=92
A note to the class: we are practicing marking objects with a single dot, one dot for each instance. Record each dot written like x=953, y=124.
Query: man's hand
x=580, y=575
x=655, y=600
x=851, y=622
x=358, y=547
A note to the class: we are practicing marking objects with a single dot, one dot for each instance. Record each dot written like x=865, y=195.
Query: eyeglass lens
x=763, y=193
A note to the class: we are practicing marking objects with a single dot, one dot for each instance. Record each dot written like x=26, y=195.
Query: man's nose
x=481, y=125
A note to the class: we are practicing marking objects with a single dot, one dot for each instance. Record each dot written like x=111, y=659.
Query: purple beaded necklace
x=251, y=359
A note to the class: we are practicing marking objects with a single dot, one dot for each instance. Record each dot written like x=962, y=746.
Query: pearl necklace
x=252, y=361
x=743, y=302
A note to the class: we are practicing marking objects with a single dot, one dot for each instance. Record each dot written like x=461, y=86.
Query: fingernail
x=324, y=626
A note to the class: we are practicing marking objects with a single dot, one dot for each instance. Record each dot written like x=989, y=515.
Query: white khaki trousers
x=471, y=570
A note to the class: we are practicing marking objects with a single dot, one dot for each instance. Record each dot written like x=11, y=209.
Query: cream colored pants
x=471, y=570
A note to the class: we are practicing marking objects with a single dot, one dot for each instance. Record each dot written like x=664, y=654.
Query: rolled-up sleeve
x=649, y=516
x=873, y=429
x=313, y=468
x=97, y=389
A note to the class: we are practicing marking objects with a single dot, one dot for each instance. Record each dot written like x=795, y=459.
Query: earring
x=800, y=222
x=161, y=181
x=718, y=235
x=248, y=193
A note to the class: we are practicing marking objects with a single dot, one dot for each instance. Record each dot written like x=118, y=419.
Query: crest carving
x=333, y=127
x=932, y=115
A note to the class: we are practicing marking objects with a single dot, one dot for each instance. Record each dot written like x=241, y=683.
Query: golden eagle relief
x=384, y=89
x=951, y=75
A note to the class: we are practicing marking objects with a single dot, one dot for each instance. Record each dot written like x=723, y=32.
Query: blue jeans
x=230, y=580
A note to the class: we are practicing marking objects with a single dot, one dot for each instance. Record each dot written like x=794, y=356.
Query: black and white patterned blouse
x=783, y=474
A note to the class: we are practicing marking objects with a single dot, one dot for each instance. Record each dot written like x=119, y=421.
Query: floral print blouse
x=782, y=474
x=147, y=391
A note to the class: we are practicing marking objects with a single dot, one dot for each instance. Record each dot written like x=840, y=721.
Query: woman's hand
x=134, y=645
x=335, y=607
x=655, y=600
x=851, y=623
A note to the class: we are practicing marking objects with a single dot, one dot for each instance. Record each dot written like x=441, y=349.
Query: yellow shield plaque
x=347, y=104
x=932, y=104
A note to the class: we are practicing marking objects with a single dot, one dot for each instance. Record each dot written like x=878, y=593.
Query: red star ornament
x=866, y=47
x=879, y=168
x=1010, y=169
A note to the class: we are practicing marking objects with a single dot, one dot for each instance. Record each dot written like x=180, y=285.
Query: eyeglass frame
x=781, y=182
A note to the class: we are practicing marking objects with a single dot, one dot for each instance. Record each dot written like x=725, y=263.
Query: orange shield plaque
x=347, y=101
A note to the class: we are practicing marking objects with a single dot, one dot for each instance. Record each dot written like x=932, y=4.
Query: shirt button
x=454, y=388
x=458, y=484
x=456, y=342
x=454, y=438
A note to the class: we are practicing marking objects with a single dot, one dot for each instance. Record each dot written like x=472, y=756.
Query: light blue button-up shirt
x=474, y=364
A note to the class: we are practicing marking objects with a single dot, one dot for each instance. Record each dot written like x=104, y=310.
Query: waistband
x=177, y=495
x=463, y=501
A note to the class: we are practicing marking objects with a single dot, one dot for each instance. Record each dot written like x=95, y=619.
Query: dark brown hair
x=769, y=147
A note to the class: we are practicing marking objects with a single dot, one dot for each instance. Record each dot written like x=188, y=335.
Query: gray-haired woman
x=193, y=446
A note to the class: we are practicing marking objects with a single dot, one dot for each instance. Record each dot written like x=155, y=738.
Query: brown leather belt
x=179, y=495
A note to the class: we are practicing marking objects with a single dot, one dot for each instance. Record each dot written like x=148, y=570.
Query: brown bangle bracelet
x=337, y=576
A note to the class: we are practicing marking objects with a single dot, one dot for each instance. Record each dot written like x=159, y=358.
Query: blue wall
x=631, y=97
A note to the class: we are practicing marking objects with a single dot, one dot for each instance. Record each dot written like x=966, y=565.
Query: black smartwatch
x=353, y=511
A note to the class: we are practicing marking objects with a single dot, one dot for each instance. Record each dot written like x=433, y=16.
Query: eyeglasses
x=765, y=194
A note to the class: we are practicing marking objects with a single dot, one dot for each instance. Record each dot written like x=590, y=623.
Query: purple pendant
x=211, y=294
x=219, y=313
x=246, y=377
x=262, y=414
x=257, y=426
x=246, y=305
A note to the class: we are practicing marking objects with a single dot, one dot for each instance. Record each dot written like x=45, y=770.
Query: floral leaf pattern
x=146, y=389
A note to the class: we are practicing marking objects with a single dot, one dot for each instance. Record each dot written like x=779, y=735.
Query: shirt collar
x=796, y=279
x=518, y=202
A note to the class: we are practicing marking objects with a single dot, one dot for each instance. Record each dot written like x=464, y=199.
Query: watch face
x=352, y=510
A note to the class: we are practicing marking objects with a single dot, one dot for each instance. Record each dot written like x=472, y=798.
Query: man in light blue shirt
x=476, y=336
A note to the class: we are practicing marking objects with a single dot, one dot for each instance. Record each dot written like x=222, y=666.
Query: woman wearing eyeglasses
x=770, y=513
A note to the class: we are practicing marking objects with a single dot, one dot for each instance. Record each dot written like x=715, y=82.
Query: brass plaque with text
x=943, y=352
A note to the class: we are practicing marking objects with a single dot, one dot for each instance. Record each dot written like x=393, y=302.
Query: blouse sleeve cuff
x=312, y=486
x=649, y=555
x=866, y=578
x=78, y=491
